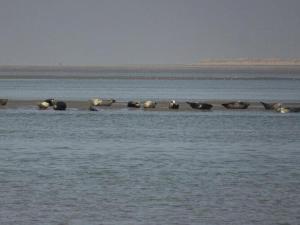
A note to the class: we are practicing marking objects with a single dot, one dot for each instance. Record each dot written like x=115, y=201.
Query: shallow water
x=137, y=167
x=130, y=89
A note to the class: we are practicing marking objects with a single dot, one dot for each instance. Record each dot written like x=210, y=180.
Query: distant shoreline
x=206, y=63
x=155, y=72
x=212, y=65
x=251, y=62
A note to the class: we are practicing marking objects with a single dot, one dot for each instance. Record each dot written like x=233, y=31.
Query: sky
x=110, y=32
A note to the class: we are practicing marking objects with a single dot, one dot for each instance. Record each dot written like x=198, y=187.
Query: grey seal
x=149, y=104
x=200, y=105
x=3, y=101
x=133, y=104
x=271, y=106
x=173, y=105
x=236, y=105
x=59, y=105
x=102, y=102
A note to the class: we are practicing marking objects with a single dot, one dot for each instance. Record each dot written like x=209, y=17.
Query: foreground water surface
x=129, y=89
x=137, y=167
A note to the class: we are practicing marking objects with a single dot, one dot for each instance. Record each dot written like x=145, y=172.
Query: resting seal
x=283, y=109
x=271, y=106
x=102, y=102
x=236, y=105
x=173, y=105
x=59, y=105
x=133, y=104
x=3, y=101
x=43, y=105
x=149, y=104
x=51, y=101
x=199, y=105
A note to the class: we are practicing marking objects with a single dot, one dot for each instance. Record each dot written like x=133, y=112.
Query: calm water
x=125, y=89
x=136, y=167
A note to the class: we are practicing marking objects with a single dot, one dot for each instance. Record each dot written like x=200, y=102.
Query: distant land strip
x=207, y=69
x=251, y=62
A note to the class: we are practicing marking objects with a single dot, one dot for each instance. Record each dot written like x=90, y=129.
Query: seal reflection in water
x=236, y=105
x=102, y=102
x=173, y=105
x=3, y=101
x=133, y=104
x=149, y=104
x=92, y=108
x=199, y=105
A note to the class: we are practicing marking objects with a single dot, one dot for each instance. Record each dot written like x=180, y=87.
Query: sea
x=131, y=167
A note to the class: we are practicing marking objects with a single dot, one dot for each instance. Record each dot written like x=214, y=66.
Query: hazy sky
x=101, y=32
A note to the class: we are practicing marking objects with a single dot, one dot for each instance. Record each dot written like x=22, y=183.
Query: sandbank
x=118, y=105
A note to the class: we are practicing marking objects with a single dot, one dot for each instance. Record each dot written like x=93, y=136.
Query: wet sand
x=161, y=105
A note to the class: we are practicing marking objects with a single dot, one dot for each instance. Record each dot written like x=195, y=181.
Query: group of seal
x=57, y=105
x=148, y=104
x=228, y=105
x=172, y=104
x=98, y=102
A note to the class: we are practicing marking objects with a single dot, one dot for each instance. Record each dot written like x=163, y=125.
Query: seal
x=149, y=104
x=173, y=105
x=51, y=101
x=59, y=105
x=43, y=105
x=236, y=105
x=283, y=109
x=133, y=104
x=271, y=106
x=3, y=101
x=102, y=102
x=200, y=105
